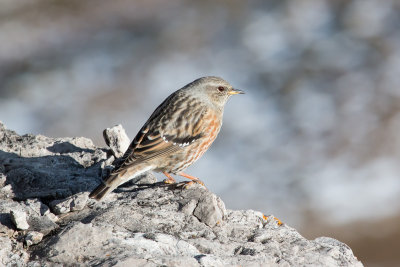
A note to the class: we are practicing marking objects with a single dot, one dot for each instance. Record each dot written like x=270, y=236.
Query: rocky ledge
x=46, y=218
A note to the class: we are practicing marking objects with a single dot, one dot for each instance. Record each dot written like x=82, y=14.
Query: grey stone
x=189, y=207
x=72, y=203
x=117, y=139
x=142, y=223
x=12, y=252
x=33, y=210
x=7, y=226
x=18, y=217
x=36, y=166
x=2, y=180
x=79, y=201
x=61, y=206
x=43, y=224
x=210, y=210
x=37, y=206
x=261, y=236
x=52, y=217
x=7, y=191
x=33, y=238
x=38, y=215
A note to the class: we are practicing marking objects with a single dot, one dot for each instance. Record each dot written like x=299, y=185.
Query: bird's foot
x=170, y=179
x=187, y=185
x=194, y=179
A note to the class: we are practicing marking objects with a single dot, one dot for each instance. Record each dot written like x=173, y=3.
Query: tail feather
x=115, y=179
x=106, y=187
x=101, y=191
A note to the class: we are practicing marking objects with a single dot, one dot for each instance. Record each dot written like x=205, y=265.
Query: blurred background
x=315, y=140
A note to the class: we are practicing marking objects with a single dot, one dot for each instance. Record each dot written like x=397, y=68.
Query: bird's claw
x=169, y=181
x=187, y=185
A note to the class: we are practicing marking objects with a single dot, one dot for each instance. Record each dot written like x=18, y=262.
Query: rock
x=134, y=261
x=37, y=216
x=142, y=223
x=19, y=219
x=36, y=166
x=12, y=252
x=117, y=139
x=43, y=224
x=79, y=201
x=61, y=206
x=2, y=180
x=189, y=207
x=52, y=217
x=7, y=226
x=159, y=223
x=72, y=203
x=209, y=209
x=37, y=206
x=33, y=238
x=7, y=191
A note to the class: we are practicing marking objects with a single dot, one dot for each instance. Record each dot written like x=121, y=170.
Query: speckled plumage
x=177, y=134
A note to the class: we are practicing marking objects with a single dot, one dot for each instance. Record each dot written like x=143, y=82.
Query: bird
x=178, y=133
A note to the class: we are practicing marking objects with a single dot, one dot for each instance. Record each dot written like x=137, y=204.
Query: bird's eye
x=221, y=88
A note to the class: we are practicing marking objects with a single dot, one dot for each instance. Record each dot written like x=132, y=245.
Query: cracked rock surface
x=47, y=219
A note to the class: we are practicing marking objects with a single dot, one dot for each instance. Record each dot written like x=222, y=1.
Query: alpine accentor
x=177, y=134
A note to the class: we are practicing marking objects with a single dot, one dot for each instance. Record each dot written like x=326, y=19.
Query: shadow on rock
x=37, y=166
x=66, y=147
x=47, y=176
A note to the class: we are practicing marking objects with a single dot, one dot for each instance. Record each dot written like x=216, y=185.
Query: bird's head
x=214, y=89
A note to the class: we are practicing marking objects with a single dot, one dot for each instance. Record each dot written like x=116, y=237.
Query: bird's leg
x=170, y=179
x=194, y=179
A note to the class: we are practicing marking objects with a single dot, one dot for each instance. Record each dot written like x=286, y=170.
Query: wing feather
x=165, y=132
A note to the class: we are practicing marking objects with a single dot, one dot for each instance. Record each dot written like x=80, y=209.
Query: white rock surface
x=117, y=139
x=73, y=203
x=18, y=217
x=144, y=223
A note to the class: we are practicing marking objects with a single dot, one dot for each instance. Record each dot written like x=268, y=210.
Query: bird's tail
x=115, y=179
x=106, y=187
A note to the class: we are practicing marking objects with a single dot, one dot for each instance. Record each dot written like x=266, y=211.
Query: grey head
x=213, y=90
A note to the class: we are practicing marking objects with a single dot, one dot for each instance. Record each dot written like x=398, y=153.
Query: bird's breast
x=198, y=148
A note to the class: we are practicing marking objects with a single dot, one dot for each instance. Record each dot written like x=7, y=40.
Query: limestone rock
x=18, y=217
x=142, y=223
x=72, y=203
x=117, y=139
x=38, y=207
x=12, y=252
x=33, y=238
x=210, y=211
x=60, y=206
x=36, y=166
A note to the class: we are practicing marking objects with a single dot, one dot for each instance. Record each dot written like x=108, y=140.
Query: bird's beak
x=234, y=91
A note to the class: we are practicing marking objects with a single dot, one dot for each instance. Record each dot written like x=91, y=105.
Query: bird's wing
x=164, y=133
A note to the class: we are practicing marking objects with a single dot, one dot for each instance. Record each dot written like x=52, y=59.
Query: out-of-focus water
x=315, y=135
